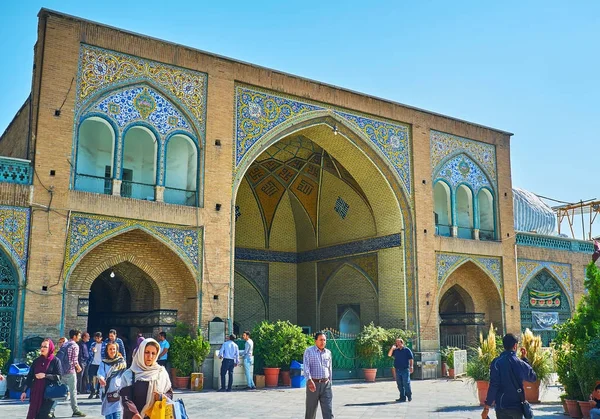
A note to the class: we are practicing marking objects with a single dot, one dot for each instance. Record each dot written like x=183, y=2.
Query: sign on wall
x=544, y=298
x=544, y=320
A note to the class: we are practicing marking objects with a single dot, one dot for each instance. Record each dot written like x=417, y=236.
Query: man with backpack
x=68, y=354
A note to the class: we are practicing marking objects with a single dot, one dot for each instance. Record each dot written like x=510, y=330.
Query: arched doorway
x=130, y=281
x=9, y=291
x=544, y=304
x=310, y=203
x=469, y=302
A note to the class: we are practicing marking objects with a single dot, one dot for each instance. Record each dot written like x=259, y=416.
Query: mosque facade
x=145, y=183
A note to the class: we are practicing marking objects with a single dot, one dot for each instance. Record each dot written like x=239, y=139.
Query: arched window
x=442, y=209
x=95, y=151
x=182, y=171
x=464, y=212
x=350, y=322
x=485, y=202
x=139, y=164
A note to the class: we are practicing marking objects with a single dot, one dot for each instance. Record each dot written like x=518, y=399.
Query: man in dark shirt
x=403, y=363
x=502, y=389
x=84, y=358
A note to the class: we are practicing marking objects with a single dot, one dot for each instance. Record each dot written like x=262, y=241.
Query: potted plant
x=540, y=362
x=448, y=360
x=4, y=357
x=368, y=348
x=478, y=368
x=277, y=343
x=182, y=358
x=200, y=348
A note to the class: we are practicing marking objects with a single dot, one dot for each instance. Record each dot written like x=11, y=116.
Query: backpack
x=63, y=357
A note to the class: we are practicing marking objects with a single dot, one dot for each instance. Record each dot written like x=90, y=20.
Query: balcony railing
x=15, y=171
x=443, y=230
x=181, y=197
x=462, y=319
x=555, y=243
x=137, y=190
x=95, y=184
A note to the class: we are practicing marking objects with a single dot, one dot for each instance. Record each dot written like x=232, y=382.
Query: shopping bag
x=159, y=410
x=178, y=409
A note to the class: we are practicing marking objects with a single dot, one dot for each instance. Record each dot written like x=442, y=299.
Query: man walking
x=403, y=363
x=248, y=352
x=84, y=360
x=112, y=338
x=230, y=354
x=164, y=349
x=72, y=367
x=96, y=351
x=507, y=373
x=318, y=372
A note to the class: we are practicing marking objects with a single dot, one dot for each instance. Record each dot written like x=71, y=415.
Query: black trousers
x=82, y=380
x=227, y=367
x=509, y=414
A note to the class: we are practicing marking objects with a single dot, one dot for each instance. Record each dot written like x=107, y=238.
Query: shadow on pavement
x=450, y=409
x=371, y=404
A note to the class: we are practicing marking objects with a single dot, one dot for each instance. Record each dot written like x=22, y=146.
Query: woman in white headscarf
x=144, y=382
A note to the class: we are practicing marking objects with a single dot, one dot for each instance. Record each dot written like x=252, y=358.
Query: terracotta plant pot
x=173, y=374
x=444, y=369
x=370, y=374
x=451, y=373
x=482, y=390
x=585, y=408
x=182, y=382
x=573, y=408
x=532, y=391
x=565, y=407
x=285, y=378
x=271, y=376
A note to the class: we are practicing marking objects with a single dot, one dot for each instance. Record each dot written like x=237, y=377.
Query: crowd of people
x=127, y=390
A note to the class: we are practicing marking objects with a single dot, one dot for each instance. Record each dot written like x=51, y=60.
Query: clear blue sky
x=528, y=67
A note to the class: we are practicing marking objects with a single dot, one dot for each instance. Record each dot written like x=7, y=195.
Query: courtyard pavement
x=448, y=399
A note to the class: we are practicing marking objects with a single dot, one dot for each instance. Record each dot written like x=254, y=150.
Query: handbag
x=525, y=406
x=56, y=391
x=162, y=410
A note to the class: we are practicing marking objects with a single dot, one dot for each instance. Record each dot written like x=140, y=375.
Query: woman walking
x=110, y=375
x=144, y=382
x=45, y=370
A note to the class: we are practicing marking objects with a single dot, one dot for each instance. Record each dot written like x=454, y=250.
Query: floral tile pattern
x=461, y=169
x=86, y=231
x=446, y=263
x=14, y=234
x=259, y=111
x=445, y=146
x=527, y=269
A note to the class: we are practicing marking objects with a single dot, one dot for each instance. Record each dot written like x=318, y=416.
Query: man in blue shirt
x=112, y=338
x=403, y=363
x=503, y=390
x=230, y=354
x=164, y=349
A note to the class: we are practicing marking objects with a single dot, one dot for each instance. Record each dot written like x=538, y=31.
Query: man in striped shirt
x=318, y=373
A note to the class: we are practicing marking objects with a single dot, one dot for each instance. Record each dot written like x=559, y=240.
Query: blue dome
x=532, y=214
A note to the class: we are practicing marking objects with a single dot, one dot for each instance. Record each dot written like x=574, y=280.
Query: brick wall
x=13, y=142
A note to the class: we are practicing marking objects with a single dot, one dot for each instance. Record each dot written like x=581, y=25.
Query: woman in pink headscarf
x=45, y=370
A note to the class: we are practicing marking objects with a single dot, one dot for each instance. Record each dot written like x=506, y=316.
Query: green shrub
x=280, y=342
x=4, y=357
x=369, y=344
x=448, y=355
x=187, y=353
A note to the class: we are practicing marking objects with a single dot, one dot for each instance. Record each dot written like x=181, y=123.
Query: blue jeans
x=116, y=415
x=403, y=383
x=247, y=371
x=595, y=413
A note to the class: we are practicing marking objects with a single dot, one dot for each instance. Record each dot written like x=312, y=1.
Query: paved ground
x=431, y=399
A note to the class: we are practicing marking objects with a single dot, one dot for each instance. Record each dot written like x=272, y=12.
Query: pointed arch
x=339, y=268
x=462, y=166
x=490, y=275
x=554, y=276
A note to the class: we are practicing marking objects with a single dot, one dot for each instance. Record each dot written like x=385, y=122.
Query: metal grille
x=15, y=171
x=544, y=282
x=8, y=299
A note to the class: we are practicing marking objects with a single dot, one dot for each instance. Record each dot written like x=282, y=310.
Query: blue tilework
x=257, y=273
x=258, y=112
x=14, y=235
x=346, y=249
x=527, y=269
x=86, y=231
x=461, y=169
x=124, y=109
x=446, y=263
